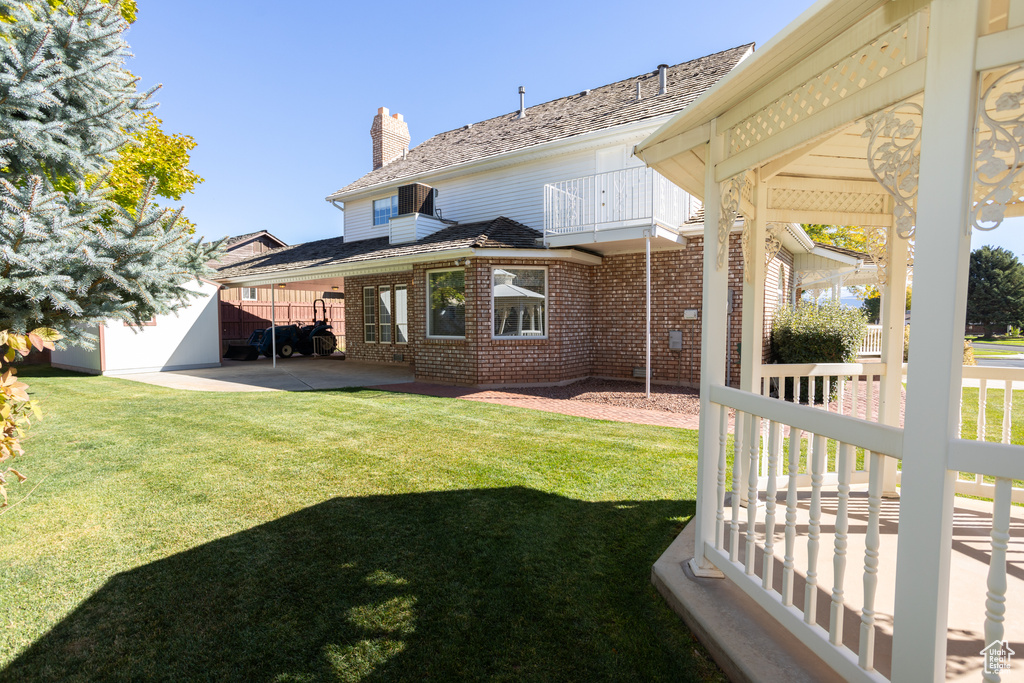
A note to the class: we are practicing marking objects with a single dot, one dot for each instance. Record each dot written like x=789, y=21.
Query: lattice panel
x=820, y=200
x=868, y=65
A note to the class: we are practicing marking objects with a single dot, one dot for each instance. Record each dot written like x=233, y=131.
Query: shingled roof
x=599, y=108
x=500, y=233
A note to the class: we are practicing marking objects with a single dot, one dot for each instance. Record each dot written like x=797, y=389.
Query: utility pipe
x=273, y=327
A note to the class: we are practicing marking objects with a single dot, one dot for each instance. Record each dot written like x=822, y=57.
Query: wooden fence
x=239, y=319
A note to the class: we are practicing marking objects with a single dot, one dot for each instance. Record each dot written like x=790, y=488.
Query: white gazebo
x=905, y=117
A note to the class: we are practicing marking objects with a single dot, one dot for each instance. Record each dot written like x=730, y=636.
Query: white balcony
x=614, y=206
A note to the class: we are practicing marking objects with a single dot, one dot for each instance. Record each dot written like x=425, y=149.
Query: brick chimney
x=390, y=135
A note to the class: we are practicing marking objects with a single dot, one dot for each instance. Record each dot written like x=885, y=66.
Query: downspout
x=648, y=278
x=273, y=327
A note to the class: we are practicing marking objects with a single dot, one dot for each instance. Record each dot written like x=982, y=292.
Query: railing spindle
x=995, y=597
x=854, y=407
x=982, y=419
x=843, y=462
x=754, y=444
x=814, y=529
x=1007, y=409
x=791, y=499
x=872, y=542
x=723, y=437
x=737, y=459
x=774, y=445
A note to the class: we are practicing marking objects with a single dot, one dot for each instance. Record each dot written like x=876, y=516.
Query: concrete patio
x=292, y=374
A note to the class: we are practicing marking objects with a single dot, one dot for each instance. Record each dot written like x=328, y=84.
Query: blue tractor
x=316, y=338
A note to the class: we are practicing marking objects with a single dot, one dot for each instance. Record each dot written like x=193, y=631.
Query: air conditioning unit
x=416, y=198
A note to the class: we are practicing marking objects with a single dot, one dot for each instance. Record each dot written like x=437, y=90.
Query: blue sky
x=280, y=100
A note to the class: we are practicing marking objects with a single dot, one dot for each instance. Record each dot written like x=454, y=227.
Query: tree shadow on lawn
x=508, y=583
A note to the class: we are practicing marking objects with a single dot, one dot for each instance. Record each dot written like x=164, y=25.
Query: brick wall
x=596, y=322
x=445, y=361
x=375, y=352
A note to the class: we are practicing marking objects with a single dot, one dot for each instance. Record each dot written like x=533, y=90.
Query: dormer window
x=385, y=209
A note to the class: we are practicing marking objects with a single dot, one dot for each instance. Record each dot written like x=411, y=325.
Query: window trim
x=255, y=294
x=370, y=328
x=381, y=325
x=404, y=288
x=427, y=297
x=547, y=305
x=373, y=210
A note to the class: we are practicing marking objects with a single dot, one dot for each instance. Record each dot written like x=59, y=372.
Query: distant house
x=532, y=247
x=245, y=309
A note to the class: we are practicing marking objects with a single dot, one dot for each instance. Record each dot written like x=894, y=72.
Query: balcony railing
x=614, y=199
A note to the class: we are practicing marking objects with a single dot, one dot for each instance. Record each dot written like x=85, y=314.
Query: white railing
x=852, y=389
x=783, y=444
x=872, y=344
x=800, y=443
x=613, y=199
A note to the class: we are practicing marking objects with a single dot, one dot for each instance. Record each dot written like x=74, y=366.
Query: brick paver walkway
x=596, y=411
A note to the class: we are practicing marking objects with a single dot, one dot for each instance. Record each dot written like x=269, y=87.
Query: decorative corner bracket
x=999, y=151
x=732, y=191
x=876, y=242
x=894, y=158
x=772, y=241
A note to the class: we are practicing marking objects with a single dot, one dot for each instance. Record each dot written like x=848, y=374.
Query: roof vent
x=638, y=95
x=662, y=79
x=522, y=102
x=585, y=92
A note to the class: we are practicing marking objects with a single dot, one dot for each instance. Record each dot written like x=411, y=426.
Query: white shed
x=184, y=340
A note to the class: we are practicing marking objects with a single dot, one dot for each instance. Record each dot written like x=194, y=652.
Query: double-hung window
x=385, y=314
x=249, y=294
x=385, y=209
x=401, y=314
x=519, y=302
x=369, y=314
x=446, y=303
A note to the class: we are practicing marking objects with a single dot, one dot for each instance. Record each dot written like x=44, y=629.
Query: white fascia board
x=800, y=235
x=574, y=255
x=402, y=263
x=367, y=267
x=595, y=139
x=836, y=256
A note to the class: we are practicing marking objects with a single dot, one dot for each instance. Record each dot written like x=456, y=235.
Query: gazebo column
x=752, y=325
x=752, y=354
x=942, y=251
x=714, y=342
x=893, y=317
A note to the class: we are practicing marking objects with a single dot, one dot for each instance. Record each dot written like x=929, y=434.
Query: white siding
x=190, y=339
x=516, y=192
x=77, y=358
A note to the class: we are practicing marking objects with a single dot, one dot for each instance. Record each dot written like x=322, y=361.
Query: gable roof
x=597, y=109
x=238, y=239
x=499, y=233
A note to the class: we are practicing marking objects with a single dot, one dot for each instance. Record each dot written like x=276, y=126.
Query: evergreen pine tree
x=995, y=288
x=68, y=255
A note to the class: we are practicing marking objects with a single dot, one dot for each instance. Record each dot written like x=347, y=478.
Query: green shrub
x=816, y=334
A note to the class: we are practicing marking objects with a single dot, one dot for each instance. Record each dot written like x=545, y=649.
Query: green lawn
x=345, y=535
x=998, y=342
